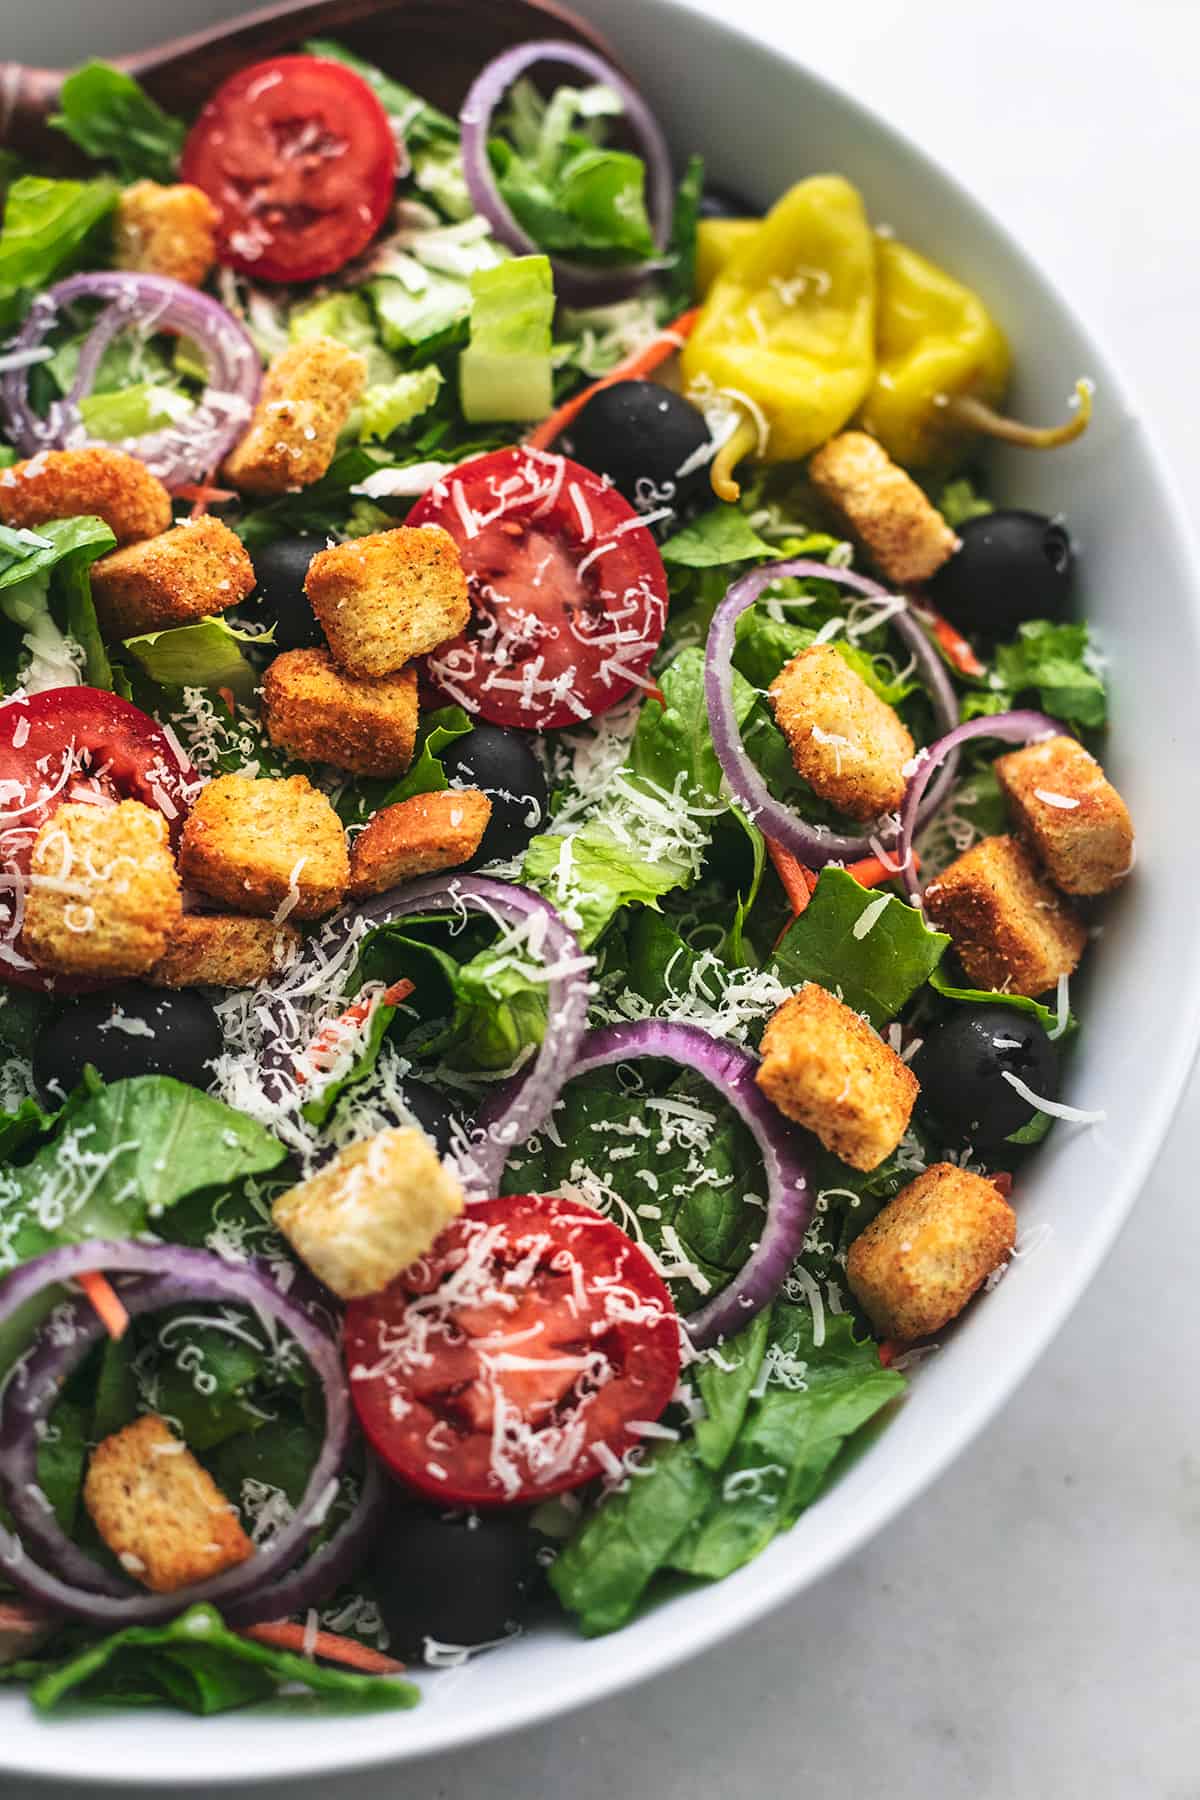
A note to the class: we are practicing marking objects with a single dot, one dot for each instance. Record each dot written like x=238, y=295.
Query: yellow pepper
x=788, y=329
x=717, y=240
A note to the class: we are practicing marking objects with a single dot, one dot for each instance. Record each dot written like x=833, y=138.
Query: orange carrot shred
x=203, y=495
x=357, y=1013
x=872, y=871
x=284, y=1634
x=1002, y=1180
x=955, y=645
x=227, y=696
x=798, y=882
x=107, y=1302
x=641, y=362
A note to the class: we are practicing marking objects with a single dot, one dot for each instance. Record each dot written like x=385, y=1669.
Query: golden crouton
x=387, y=597
x=183, y=575
x=1075, y=819
x=223, y=950
x=418, y=837
x=272, y=848
x=61, y=484
x=1011, y=930
x=825, y=1067
x=161, y=1514
x=364, y=723
x=850, y=746
x=166, y=231
x=901, y=531
x=373, y=1210
x=307, y=395
x=919, y=1261
x=103, y=890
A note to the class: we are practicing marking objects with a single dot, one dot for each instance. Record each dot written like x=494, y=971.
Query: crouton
x=387, y=597
x=901, y=531
x=223, y=950
x=103, y=890
x=166, y=231
x=1011, y=930
x=364, y=723
x=1061, y=802
x=61, y=484
x=159, y=1511
x=920, y=1260
x=849, y=745
x=272, y=848
x=825, y=1067
x=183, y=575
x=307, y=395
x=370, y=1212
x=418, y=837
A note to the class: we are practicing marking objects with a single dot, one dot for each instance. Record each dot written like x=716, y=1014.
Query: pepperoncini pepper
x=717, y=241
x=787, y=332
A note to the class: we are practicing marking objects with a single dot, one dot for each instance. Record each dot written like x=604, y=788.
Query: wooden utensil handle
x=27, y=98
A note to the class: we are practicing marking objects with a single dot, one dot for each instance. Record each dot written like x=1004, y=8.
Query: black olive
x=641, y=435
x=279, y=569
x=457, y=1578
x=961, y=1066
x=128, y=1030
x=723, y=203
x=1011, y=566
x=432, y=1112
x=503, y=765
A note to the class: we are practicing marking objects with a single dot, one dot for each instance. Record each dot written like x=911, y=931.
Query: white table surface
x=1028, y=1629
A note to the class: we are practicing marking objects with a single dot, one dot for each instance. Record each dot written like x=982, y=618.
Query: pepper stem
x=978, y=416
x=738, y=444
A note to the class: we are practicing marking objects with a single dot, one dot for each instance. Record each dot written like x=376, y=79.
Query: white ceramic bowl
x=762, y=122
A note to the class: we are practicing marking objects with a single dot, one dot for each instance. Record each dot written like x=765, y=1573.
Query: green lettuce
x=45, y=224
x=387, y=407
x=720, y=536
x=1046, y=1017
x=875, y=967
x=205, y=654
x=348, y=319
x=46, y=592
x=504, y=371
x=1055, y=662
x=679, y=279
x=111, y=117
x=414, y=119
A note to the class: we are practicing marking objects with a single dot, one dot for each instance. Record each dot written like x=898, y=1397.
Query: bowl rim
x=745, y=1597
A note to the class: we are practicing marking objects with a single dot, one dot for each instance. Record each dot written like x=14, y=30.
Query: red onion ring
x=813, y=844
x=176, y=1274
x=566, y=1001
x=175, y=454
x=573, y=281
x=731, y=1071
x=1022, y=727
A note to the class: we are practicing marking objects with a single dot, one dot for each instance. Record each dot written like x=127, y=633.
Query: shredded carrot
x=641, y=362
x=889, y=1350
x=227, y=696
x=872, y=871
x=1002, y=1180
x=357, y=1013
x=952, y=642
x=798, y=882
x=656, y=693
x=203, y=495
x=107, y=1302
x=283, y=1634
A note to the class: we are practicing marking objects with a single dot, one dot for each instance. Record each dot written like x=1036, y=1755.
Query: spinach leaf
x=725, y=1390
x=61, y=1458
x=438, y=730
x=719, y=536
x=198, y=1665
x=18, y=1128
x=1046, y=1017
x=869, y=949
x=45, y=224
x=112, y=118
x=679, y=281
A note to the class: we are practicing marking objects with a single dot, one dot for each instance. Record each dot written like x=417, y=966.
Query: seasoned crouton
x=825, y=1067
x=183, y=575
x=61, y=484
x=373, y=1210
x=272, y=848
x=418, y=837
x=919, y=1261
x=364, y=723
x=223, y=950
x=166, y=231
x=850, y=746
x=902, y=532
x=1074, y=818
x=387, y=597
x=103, y=890
x=307, y=395
x=1011, y=930
x=161, y=1514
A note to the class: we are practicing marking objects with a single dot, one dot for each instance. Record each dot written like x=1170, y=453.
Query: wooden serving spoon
x=436, y=46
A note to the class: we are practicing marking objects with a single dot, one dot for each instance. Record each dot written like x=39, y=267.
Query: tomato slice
x=65, y=744
x=568, y=591
x=299, y=159
x=513, y=1360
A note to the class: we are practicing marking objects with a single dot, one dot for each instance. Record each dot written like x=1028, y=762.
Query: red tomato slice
x=298, y=157
x=511, y=1362
x=568, y=591
x=64, y=744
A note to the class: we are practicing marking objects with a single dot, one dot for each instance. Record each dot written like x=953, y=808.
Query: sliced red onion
x=551, y=941
x=1022, y=727
x=174, y=1275
x=575, y=282
x=148, y=303
x=784, y=1150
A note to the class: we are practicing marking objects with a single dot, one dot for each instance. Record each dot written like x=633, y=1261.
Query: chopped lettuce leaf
x=679, y=280
x=131, y=412
x=429, y=314
x=206, y=654
x=111, y=117
x=1059, y=663
x=348, y=319
x=1046, y=1016
x=504, y=372
x=719, y=536
x=46, y=592
x=869, y=949
x=959, y=501
x=413, y=119
x=45, y=224
x=388, y=406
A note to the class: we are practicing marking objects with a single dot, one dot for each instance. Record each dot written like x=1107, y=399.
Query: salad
x=547, y=824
